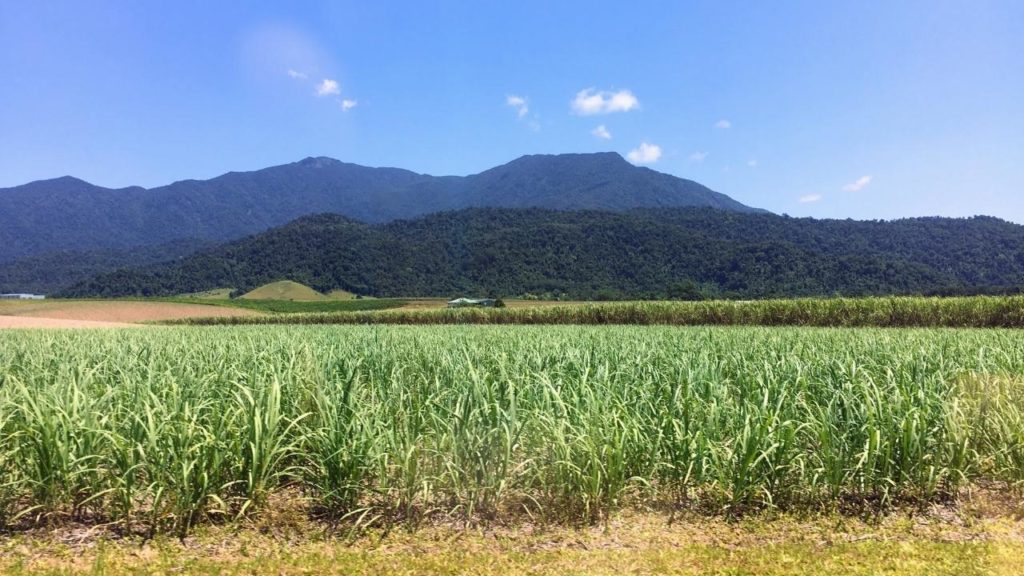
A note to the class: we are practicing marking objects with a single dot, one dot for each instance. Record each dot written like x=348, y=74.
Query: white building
x=22, y=297
x=464, y=302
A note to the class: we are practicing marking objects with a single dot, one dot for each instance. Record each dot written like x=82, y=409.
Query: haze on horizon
x=866, y=110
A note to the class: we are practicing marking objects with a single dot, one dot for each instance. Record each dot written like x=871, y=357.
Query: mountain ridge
x=68, y=213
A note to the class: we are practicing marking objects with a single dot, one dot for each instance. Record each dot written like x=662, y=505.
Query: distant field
x=103, y=313
x=56, y=313
x=218, y=294
x=971, y=312
x=314, y=306
x=435, y=303
x=977, y=312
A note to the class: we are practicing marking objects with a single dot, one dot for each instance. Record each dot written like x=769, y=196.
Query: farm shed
x=22, y=297
x=465, y=302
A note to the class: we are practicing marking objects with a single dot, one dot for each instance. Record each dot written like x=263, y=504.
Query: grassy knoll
x=966, y=312
x=375, y=425
x=284, y=290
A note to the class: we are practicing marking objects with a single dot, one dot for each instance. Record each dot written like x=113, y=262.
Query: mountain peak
x=318, y=162
x=591, y=158
x=62, y=184
x=64, y=181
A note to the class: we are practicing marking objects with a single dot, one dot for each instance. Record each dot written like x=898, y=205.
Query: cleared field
x=34, y=322
x=165, y=429
x=85, y=313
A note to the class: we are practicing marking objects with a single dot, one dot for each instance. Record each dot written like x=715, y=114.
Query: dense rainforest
x=683, y=253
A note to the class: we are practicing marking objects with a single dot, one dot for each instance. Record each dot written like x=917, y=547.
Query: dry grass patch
x=932, y=542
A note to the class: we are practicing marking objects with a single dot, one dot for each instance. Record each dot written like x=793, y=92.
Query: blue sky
x=826, y=109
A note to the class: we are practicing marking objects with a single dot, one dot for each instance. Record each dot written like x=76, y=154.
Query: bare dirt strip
x=103, y=314
x=31, y=322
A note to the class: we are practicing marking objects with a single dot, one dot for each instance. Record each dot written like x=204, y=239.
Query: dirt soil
x=31, y=322
x=103, y=314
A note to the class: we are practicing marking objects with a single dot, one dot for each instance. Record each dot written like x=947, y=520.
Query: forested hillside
x=667, y=253
x=53, y=271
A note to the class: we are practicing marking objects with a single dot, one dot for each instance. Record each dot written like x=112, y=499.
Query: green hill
x=284, y=290
x=666, y=253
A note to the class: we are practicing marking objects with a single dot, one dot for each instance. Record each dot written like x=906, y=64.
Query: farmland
x=887, y=312
x=103, y=313
x=162, y=430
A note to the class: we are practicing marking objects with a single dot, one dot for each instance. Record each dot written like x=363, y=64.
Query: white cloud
x=752, y=163
x=297, y=75
x=601, y=132
x=810, y=198
x=590, y=102
x=347, y=104
x=857, y=185
x=723, y=124
x=519, y=103
x=328, y=88
x=698, y=156
x=646, y=153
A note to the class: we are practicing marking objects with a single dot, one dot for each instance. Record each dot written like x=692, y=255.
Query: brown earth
x=102, y=314
x=33, y=322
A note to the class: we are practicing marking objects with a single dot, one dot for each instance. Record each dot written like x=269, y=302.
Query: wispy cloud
x=328, y=88
x=601, y=132
x=752, y=163
x=698, y=156
x=519, y=103
x=297, y=75
x=723, y=124
x=646, y=153
x=810, y=198
x=858, y=184
x=590, y=102
x=347, y=104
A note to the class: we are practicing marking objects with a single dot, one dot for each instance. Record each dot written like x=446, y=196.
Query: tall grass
x=887, y=312
x=163, y=429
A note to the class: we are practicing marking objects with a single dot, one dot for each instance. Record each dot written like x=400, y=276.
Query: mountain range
x=68, y=214
x=571, y=225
